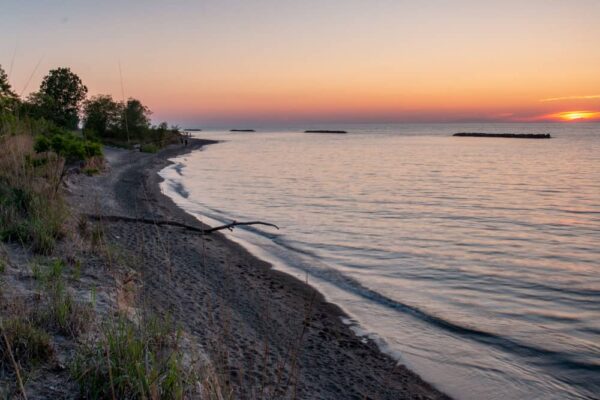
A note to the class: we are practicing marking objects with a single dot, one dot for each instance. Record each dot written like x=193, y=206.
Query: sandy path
x=271, y=335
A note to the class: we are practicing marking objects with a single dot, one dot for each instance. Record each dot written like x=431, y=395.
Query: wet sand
x=269, y=334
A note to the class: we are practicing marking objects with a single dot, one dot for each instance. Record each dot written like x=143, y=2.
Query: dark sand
x=271, y=335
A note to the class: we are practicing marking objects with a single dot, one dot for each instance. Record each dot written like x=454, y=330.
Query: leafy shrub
x=65, y=144
x=149, y=148
x=68, y=148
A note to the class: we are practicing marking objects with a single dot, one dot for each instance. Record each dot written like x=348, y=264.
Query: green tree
x=102, y=116
x=39, y=105
x=5, y=89
x=136, y=118
x=60, y=96
x=7, y=97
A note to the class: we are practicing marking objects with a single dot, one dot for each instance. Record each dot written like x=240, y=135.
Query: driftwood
x=230, y=226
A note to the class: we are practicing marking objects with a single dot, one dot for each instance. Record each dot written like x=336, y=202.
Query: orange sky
x=222, y=61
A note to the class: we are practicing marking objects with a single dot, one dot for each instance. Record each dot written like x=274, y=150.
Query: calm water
x=476, y=262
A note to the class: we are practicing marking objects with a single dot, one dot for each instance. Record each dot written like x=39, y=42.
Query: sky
x=218, y=62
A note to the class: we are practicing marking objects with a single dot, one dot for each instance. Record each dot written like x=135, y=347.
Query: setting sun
x=577, y=115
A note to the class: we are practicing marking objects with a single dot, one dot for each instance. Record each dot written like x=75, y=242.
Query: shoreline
x=267, y=331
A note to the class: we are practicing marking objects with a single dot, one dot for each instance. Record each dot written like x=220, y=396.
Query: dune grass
x=134, y=360
x=58, y=311
x=31, y=212
x=28, y=344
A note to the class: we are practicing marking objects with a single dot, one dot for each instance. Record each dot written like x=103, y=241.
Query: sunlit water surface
x=474, y=261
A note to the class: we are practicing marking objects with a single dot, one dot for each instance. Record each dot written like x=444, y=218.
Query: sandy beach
x=269, y=334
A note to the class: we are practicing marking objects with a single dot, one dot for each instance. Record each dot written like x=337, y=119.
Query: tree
x=136, y=118
x=39, y=105
x=7, y=97
x=60, y=96
x=5, y=89
x=102, y=116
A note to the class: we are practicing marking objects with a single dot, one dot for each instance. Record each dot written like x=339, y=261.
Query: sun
x=574, y=116
x=577, y=115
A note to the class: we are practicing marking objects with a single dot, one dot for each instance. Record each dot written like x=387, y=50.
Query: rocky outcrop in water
x=325, y=131
x=506, y=135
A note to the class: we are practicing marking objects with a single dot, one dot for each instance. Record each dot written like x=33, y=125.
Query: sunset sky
x=211, y=62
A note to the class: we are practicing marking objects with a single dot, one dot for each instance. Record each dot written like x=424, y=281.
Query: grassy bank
x=52, y=330
x=106, y=354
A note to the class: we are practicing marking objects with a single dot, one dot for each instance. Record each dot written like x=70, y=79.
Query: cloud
x=590, y=97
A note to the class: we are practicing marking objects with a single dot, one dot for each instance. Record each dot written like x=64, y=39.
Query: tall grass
x=30, y=210
x=134, y=360
x=59, y=311
x=23, y=342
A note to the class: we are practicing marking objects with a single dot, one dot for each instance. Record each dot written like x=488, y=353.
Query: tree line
x=62, y=102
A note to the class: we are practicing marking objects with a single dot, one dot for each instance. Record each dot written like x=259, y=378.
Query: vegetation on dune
x=24, y=344
x=149, y=148
x=59, y=312
x=134, y=361
x=40, y=144
x=31, y=211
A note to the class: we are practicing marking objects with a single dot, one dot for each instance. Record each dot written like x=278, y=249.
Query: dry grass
x=29, y=345
x=31, y=212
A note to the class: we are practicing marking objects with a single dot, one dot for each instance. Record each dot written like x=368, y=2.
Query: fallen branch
x=235, y=223
x=230, y=226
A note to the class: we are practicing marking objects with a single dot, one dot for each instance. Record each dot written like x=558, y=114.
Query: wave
x=535, y=354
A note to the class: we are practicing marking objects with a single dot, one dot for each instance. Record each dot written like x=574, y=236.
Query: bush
x=133, y=361
x=68, y=146
x=149, y=148
x=12, y=125
x=29, y=217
